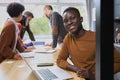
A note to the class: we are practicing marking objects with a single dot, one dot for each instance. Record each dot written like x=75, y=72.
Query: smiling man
x=79, y=45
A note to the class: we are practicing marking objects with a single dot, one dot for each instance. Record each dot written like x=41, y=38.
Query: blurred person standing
x=56, y=21
x=27, y=17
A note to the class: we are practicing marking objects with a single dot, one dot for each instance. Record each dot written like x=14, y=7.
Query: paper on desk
x=43, y=58
x=28, y=54
x=43, y=49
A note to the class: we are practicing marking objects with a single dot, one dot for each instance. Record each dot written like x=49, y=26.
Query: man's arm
x=54, y=20
x=55, y=36
x=30, y=33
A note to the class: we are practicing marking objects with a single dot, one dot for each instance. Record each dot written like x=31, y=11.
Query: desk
x=15, y=70
x=117, y=46
x=20, y=69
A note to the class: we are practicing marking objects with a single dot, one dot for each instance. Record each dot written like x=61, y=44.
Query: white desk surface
x=20, y=69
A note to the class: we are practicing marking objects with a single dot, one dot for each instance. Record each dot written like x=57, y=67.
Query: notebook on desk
x=44, y=49
x=52, y=73
x=43, y=59
x=27, y=54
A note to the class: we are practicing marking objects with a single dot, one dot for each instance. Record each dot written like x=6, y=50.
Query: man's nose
x=69, y=22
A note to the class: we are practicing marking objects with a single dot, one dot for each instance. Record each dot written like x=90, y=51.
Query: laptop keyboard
x=47, y=74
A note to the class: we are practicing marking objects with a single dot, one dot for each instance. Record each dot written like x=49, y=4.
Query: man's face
x=29, y=18
x=46, y=12
x=71, y=21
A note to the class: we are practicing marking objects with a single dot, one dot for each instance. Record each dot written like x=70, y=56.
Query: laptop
x=52, y=73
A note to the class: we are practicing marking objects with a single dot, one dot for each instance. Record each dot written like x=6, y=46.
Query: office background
x=39, y=25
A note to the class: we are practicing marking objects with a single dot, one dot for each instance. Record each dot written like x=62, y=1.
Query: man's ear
x=81, y=19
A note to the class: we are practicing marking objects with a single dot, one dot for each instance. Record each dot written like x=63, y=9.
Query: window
x=40, y=24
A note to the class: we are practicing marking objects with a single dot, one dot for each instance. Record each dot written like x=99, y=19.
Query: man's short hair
x=28, y=13
x=49, y=7
x=72, y=9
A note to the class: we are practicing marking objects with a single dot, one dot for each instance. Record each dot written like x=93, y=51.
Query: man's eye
x=72, y=17
x=65, y=21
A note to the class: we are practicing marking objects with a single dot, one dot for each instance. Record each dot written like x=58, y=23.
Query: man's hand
x=49, y=48
x=48, y=44
x=28, y=50
x=81, y=72
x=17, y=56
x=84, y=73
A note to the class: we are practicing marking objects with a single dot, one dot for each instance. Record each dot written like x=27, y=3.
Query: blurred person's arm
x=55, y=32
x=30, y=33
x=55, y=36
